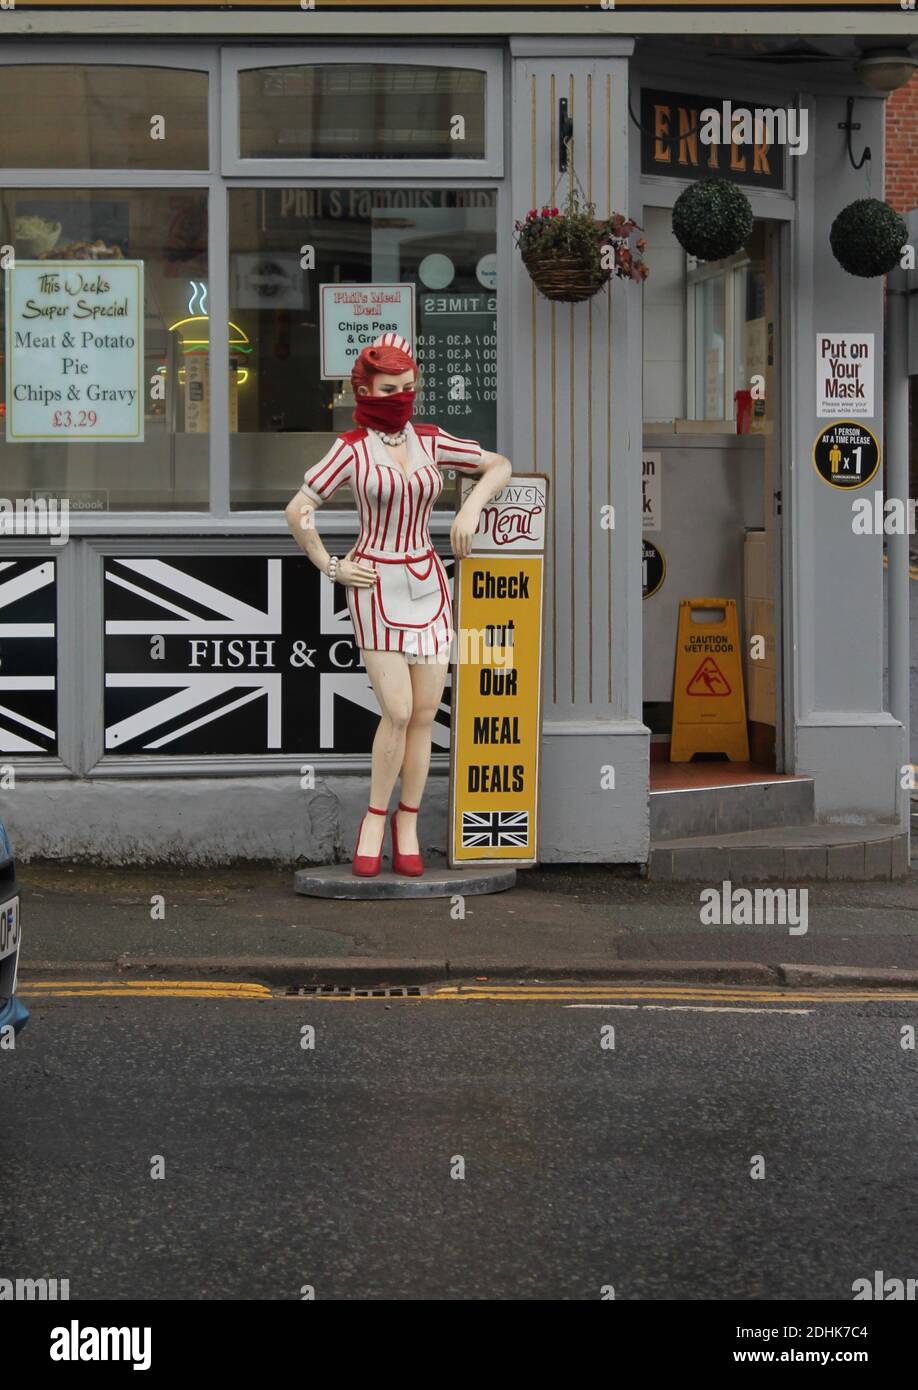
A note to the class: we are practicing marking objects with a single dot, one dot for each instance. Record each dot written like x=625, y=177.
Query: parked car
x=12, y=1010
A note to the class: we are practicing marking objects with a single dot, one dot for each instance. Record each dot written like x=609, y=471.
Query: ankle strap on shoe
x=403, y=807
x=374, y=811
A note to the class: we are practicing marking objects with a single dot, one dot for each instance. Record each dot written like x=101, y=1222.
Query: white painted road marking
x=692, y=1008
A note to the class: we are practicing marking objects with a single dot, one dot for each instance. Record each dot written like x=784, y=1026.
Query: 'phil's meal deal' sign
x=845, y=367
x=354, y=316
x=74, y=350
x=497, y=708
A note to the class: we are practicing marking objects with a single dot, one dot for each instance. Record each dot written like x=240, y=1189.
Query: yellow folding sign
x=709, y=706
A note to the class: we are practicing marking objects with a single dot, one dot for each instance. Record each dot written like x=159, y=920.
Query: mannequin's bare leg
x=391, y=682
x=427, y=681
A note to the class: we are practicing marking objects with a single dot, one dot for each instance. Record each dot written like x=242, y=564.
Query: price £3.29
x=69, y=420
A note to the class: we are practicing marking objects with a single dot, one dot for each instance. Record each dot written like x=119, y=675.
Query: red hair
x=380, y=361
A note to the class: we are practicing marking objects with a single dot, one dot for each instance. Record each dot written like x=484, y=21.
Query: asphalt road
x=332, y=1167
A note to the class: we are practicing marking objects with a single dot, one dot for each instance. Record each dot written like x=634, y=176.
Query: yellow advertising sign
x=496, y=694
x=709, y=706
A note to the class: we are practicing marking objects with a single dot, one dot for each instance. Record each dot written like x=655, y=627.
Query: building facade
x=178, y=683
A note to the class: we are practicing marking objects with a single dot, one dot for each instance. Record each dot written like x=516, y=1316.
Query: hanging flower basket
x=867, y=237
x=712, y=219
x=571, y=253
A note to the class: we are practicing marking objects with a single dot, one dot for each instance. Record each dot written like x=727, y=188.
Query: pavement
x=246, y=923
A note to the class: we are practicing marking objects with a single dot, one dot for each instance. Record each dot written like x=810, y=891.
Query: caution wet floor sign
x=709, y=707
x=709, y=679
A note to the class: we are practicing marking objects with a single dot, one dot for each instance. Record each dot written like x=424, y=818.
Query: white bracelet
x=332, y=567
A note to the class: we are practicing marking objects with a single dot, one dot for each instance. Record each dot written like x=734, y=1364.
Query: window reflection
x=74, y=116
x=285, y=243
x=362, y=111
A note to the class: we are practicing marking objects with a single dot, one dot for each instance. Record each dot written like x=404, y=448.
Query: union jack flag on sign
x=28, y=659
x=491, y=829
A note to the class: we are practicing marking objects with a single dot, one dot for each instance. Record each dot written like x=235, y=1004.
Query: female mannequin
x=397, y=590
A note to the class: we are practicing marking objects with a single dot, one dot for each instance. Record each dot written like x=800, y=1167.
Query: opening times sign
x=457, y=356
x=74, y=350
x=497, y=715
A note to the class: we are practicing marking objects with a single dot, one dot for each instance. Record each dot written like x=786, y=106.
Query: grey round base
x=337, y=881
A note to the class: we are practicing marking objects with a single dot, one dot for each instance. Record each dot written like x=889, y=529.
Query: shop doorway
x=712, y=489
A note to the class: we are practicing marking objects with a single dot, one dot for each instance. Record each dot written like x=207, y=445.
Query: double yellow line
x=142, y=989
x=527, y=992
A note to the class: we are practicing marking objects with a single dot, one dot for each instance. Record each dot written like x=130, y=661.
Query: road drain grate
x=350, y=992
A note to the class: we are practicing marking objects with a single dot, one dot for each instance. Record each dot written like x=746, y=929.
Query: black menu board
x=456, y=350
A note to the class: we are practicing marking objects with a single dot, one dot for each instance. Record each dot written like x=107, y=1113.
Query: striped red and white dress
x=410, y=610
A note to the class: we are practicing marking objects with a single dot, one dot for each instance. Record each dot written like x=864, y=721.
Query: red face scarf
x=386, y=413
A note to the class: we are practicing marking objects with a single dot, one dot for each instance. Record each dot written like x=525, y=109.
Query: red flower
x=554, y=212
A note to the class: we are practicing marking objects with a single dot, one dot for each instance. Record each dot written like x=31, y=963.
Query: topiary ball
x=712, y=219
x=867, y=237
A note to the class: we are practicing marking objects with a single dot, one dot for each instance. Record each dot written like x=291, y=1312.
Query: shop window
x=707, y=312
x=362, y=111
x=103, y=396
x=433, y=252
x=726, y=336
x=103, y=116
x=705, y=333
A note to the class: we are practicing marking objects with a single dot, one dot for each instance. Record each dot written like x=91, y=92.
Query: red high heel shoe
x=367, y=865
x=408, y=865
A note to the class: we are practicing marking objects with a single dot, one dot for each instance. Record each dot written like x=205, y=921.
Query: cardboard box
x=760, y=694
x=755, y=566
x=760, y=622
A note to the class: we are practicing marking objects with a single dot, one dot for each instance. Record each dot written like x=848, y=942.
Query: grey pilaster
x=577, y=389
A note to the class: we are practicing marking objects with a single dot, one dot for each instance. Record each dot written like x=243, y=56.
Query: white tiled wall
x=664, y=319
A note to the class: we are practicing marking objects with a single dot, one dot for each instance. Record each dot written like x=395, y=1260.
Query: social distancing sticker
x=846, y=454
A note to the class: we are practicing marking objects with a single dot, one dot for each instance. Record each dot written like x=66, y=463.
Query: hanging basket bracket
x=565, y=134
x=848, y=125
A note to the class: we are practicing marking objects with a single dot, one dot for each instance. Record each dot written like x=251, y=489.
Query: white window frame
x=225, y=173
x=234, y=61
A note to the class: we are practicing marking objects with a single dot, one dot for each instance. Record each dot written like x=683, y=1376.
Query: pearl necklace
x=392, y=439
